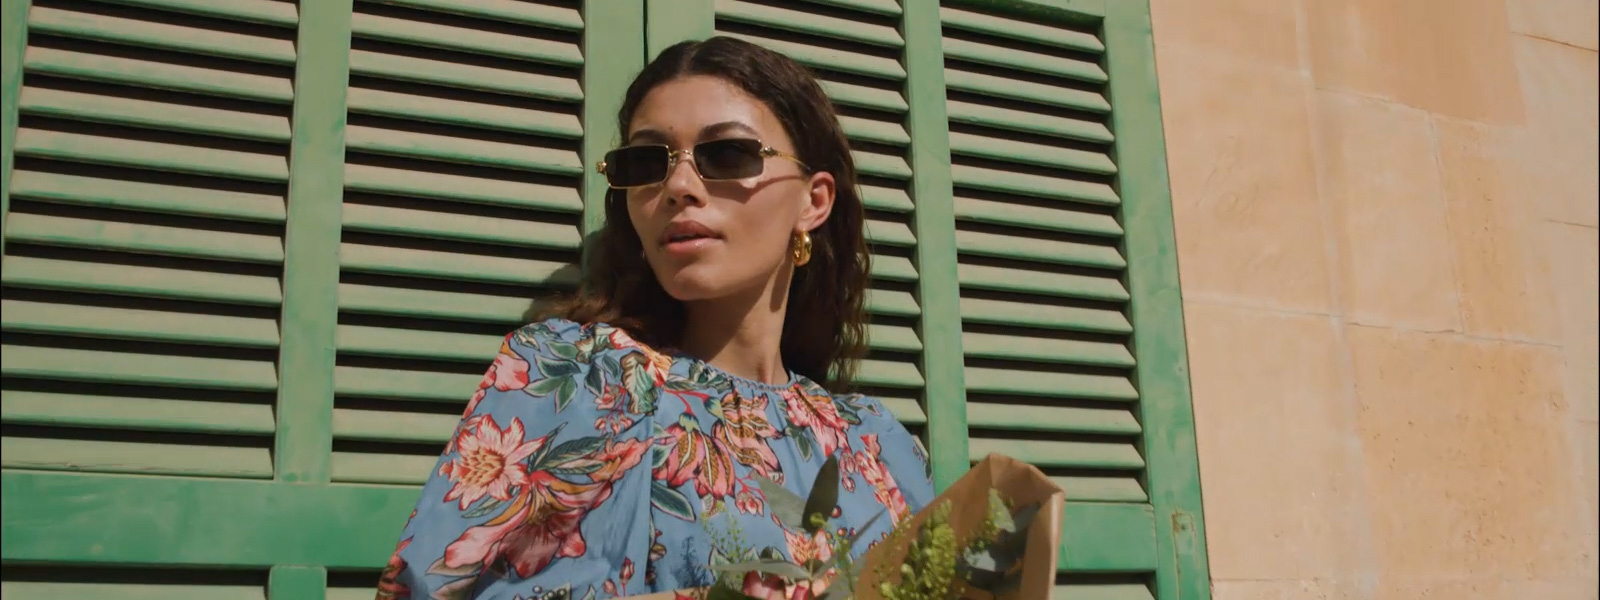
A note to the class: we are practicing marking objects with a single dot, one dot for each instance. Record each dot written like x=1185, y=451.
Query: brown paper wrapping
x=1017, y=481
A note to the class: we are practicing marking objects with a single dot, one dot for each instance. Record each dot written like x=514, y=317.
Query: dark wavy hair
x=824, y=327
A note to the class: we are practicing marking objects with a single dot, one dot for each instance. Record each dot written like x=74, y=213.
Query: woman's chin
x=693, y=283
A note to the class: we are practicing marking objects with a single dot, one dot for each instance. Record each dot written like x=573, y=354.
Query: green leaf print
x=595, y=381
x=641, y=386
x=544, y=387
x=556, y=367
x=563, y=350
x=671, y=501
x=565, y=393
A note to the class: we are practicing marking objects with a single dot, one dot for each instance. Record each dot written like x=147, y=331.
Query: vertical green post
x=297, y=583
x=613, y=52
x=311, y=256
x=13, y=44
x=1172, y=470
x=668, y=22
x=939, y=290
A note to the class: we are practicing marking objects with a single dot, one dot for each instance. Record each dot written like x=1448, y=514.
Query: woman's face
x=712, y=239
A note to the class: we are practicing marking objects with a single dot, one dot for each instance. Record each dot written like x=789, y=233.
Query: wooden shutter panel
x=855, y=48
x=461, y=204
x=143, y=255
x=1046, y=336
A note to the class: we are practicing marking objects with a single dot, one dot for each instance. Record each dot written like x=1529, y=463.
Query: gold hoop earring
x=800, y=248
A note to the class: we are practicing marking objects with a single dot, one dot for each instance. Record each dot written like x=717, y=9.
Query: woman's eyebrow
x=716, y=130
x=650, y=136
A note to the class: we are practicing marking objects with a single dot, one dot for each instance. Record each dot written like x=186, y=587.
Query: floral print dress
x=589, y=466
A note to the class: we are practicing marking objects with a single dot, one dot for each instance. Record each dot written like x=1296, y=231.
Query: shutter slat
x=886, y=199
x=164, y=36
x=893, y=303
x=150, y=197
x=143, y=239
x=1038, y=250
x=266, y=12
x=1034, y=185
x=361, y=467
x=1052, y=284
x=466, y=228
x=1053, y=385
x=463, y=113
x=442, y=186
x=838, y=61
x=470, y=77
x=893, y=338
x=49, y=274
x=412, y=343
x=1101, y=489
x=881, y=132
x=880, y=7
x=861, y=96
x=96, y=108
x=1052, y=419
x=157, y=156
x=889, y=374
x=1036, y=217
x=906, y=410
x=1078, y=455
x=1043, y=350
x=430, y=304
x=39, y=590
x=512, y=11
x=453, y=266
x=1103, y=591
x=150, y=369
x=1001, y=87
x=1032, y=62
x=157, y=75
x=148, y=414
x=460, y=150
x=808, y=23
x=134, y=324
x=890, y=233
x=1016, y=120
x=477, y=41
x=1070, y=318
x=1031, y=154
x=881, y=165
x=137, y=458
x=1020, y=30
x=393, y=426
x=893, y=268
x=389, y=384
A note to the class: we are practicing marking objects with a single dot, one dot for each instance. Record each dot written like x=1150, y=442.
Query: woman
x=611, y=450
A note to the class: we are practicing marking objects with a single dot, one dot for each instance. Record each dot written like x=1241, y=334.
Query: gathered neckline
x=794, y=378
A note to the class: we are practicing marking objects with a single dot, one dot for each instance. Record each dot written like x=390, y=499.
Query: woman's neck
x=741, y=334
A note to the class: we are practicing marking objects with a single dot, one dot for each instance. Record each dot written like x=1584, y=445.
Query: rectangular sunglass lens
x=636, y=165
x=729, y=159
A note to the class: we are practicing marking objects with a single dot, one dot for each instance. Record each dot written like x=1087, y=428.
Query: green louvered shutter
x=855, y=48
x=461, y=204
x=144, y=247
x=1048, y=330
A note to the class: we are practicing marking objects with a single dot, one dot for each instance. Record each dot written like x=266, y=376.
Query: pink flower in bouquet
x=773, y=587
x=817, y=413
x=489, y=463
x=509, y=372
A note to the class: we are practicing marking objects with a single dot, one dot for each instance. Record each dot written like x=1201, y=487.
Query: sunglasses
x=717, y=160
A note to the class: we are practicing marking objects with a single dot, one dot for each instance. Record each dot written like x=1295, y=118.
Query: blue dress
x=589, y=466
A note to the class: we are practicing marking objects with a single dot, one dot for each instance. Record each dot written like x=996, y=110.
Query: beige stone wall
x=1386, y=222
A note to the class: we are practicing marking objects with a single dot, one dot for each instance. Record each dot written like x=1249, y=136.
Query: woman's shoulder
x=566, y=340
x=861, y=408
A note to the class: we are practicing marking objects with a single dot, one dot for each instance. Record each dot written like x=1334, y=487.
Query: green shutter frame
x=219, y=217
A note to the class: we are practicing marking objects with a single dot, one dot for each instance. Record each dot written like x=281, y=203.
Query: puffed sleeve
x=894, y=462
x=539, y=488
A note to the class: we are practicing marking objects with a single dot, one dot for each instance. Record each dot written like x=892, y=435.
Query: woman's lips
x=689, y=246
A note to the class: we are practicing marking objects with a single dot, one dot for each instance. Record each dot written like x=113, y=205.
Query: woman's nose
x=683, y=185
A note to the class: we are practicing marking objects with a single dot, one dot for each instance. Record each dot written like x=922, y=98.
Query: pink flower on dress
x=541, y=523
x=817, y=413
x=803, y=547
x=744, y=432
x=884, y=487
x=693, y=455
x=509, y=372
x=389, y=586
x=749, y=503
x=489, y=462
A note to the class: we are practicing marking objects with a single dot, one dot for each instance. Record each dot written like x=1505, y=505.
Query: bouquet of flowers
x=992, y=535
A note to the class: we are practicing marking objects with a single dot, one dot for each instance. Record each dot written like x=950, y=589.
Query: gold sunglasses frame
x=673, y=157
